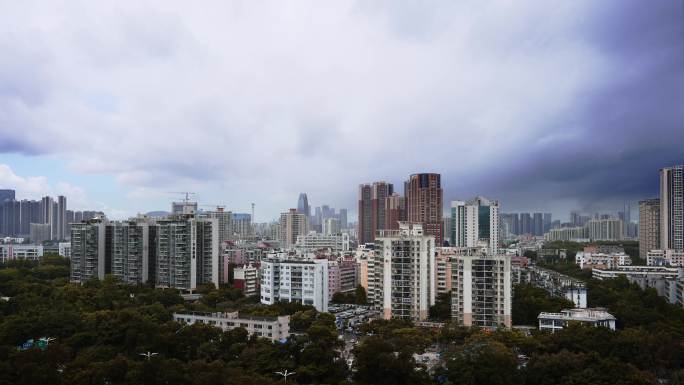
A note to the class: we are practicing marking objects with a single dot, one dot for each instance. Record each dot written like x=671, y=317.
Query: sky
x=544, y=105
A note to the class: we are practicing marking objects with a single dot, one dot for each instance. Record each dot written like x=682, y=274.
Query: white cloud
x=256, y=101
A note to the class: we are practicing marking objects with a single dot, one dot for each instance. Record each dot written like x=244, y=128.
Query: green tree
x=441, y=310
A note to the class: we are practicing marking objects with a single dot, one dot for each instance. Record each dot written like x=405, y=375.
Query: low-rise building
x=273, y=328
x=636, y=272
x=597, y=317
x=667, y=257
x=588, y=260
x=22, y=252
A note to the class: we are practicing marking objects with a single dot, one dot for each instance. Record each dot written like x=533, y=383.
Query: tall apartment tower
x=538, y=224
x=649, y=226
x=395, y=211
x=424, y=203
x=88, y=257
x=475, y=223
x=481, y=289
x=379, y=193
x=373, y=209
x=672, y=208
x=187, y=253
x=292, y=225
x=343, y=219
x=61, y=217
x=365, y=229
x=402, y=281
x=46, y=208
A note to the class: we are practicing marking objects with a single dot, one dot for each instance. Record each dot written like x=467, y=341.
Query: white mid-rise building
x=303, y=281
x=317, y=241
x=597, y=317
x=65, y=249
x=402, y=276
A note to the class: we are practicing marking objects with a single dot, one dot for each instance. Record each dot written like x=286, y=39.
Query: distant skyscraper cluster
x=39, y=220
x=317, y=220
x=536, y=224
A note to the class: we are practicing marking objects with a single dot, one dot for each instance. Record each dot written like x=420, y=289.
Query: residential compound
x=181, y=252
x=401, y=276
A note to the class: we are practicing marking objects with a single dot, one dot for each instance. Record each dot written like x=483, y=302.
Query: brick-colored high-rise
x=372, y=209
x=395, y=211
x=424, y=198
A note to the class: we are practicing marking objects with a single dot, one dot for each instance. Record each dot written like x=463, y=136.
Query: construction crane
x=186, y=193
x=217, y=207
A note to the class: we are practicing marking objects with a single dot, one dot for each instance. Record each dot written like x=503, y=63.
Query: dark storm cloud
x=623, y=130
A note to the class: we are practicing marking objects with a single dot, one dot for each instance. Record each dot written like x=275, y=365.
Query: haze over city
x=542, y=105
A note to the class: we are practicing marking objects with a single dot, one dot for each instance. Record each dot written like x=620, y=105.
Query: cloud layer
x=540, y=104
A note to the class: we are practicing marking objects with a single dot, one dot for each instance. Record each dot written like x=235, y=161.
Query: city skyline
x=251, y=115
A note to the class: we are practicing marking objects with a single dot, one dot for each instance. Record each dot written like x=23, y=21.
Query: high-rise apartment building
x=537, y=224
x=424, y=203
x=525, y=223
x=379, y=194
x=366, y=233
x=343, y=219
x=402, y=280
x=672, y=208
x=395, y=211
x=292, y=225
x=61, y=224
x=180, y=252
x=649, y=226
x=373, y=209
x=547, y=223
x=131, y=251
x=475, y=223
x=481, y=289
x=607, y=229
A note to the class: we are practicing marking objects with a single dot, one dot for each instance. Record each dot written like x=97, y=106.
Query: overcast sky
x=544, y=105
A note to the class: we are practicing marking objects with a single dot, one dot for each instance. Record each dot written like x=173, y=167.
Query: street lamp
x=285, y=374
x=149, y=355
